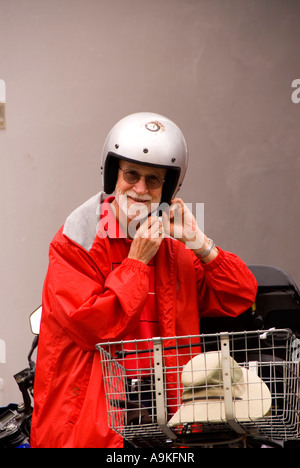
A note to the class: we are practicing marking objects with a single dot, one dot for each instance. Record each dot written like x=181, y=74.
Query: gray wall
x=222, y=69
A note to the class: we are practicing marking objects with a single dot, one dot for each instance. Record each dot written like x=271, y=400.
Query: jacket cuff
x=136, y=264
x=215, y=262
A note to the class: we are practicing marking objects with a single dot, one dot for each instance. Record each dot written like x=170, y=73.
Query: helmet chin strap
x=130, y=223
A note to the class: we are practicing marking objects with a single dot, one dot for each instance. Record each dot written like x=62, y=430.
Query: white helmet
x=150, y=139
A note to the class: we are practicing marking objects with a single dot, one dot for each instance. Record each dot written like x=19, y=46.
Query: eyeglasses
x=132, y=177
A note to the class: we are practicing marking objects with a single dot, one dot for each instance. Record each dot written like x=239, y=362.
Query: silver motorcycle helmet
x=149, y=139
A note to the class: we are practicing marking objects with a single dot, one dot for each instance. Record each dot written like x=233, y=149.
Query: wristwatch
x=210, y=247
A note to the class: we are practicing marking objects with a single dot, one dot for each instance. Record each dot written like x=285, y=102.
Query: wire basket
x=203, y=389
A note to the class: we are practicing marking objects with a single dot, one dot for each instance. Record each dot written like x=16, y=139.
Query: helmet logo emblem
x=154, y=126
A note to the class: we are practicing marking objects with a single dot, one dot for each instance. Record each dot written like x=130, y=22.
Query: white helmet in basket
x=149, y=139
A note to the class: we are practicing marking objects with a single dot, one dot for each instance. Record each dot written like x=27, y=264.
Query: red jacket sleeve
x=225, y=286
x=89, y=307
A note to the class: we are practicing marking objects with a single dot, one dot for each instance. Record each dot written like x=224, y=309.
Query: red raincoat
x=85, y=302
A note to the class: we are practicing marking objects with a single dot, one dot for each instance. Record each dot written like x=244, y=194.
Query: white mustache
x=138, y=198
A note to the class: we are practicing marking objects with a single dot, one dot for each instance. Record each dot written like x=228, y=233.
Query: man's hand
x=181, y=224
x=147, y=240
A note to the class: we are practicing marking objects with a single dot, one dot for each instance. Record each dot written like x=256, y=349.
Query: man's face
x=138, y=186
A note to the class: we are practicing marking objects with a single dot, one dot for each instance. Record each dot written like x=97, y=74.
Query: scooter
x=15, y=419
x=277, y=306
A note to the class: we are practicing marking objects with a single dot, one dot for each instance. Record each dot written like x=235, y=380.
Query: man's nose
x=141, y=186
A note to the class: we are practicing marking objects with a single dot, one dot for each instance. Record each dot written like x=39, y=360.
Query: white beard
x=132, y=209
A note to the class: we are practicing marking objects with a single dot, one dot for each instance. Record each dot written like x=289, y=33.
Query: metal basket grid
x=143, y=387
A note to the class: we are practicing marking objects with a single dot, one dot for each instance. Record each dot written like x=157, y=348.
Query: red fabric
x=85, y=302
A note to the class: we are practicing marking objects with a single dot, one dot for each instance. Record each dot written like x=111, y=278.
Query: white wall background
x=221, y=69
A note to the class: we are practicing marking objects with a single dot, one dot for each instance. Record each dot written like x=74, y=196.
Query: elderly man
x=118, y=270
